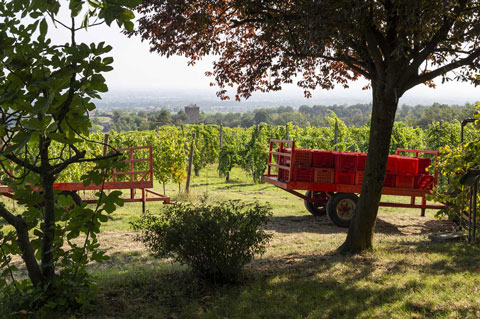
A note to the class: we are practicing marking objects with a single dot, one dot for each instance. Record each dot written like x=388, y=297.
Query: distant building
x=193, y=112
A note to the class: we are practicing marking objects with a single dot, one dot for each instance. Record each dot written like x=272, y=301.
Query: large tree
x=46, y=93
x=395, y=44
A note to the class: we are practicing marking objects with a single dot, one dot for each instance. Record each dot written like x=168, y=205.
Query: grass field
x=300, y=275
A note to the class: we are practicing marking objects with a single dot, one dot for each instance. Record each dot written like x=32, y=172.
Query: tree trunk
x=48, y=267
x=360, y=233
x=227, y=178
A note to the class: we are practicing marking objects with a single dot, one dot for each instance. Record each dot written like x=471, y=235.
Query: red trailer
x=131, y=179
x=337, y=179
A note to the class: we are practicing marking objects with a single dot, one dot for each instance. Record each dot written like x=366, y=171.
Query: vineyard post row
x=247, y=148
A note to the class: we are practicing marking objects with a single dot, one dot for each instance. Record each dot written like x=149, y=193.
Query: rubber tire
x=313, y=208
x=73, y=194
x=332, y=204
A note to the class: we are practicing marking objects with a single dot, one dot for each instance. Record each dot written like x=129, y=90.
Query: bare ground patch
x=294, y=237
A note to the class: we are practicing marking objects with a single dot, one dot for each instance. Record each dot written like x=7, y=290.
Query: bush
x=215, y=240
x=451, y=165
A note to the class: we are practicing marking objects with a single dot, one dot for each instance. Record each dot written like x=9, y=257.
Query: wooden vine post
x=106, y=139
x=336, y=135
x=105, y=144
x=190, y=161
x=221, y=145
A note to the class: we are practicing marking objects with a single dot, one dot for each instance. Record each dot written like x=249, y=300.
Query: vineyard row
x=248, y=147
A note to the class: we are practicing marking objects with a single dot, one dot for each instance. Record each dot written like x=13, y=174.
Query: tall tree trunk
x=47, y=179
x=360, y=233
x=48, y=267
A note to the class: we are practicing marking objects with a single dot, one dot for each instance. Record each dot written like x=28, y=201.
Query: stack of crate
x=310, y=166
x=406, y=169
x=423, y=180
x=303, y=170
x=328, y=167
x=345, y=167
x=323, y=163
x=361, y=161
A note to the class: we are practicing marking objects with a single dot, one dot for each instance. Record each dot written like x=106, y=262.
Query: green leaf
x=19, y=141
x=62, y=138
x=43, y=28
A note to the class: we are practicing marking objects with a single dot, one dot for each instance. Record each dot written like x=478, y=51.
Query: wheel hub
x=346, y=209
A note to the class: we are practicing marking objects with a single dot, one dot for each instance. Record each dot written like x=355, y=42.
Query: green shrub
x=451, y=165
x=215, y=240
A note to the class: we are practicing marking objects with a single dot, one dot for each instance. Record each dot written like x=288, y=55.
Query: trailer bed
x=136, y=180
x=336, y=198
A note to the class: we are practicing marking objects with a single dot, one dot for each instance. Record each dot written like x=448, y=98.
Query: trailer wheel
x=341, y=208
x=316, y=209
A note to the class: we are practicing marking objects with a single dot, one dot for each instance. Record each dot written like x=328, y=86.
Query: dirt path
x=283, y=228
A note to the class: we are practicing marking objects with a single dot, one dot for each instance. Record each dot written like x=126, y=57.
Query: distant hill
x=176, y=99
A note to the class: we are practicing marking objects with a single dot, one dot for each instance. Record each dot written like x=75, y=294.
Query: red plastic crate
x=322, y=159
x=424, y=181
x=392, y=164
x=423, y=163
x=324, y=175
x=407, y=165
x=282, y=174
x=303, y=174
x=361, y=161
x=344, y=178
x=389, y=180
x=404, y=181
x=345, y=162
x=303, y=157
x=359, y=178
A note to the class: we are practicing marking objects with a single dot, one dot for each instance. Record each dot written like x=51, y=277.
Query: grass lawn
x=300, y=275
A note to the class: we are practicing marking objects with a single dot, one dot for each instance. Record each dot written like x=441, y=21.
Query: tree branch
x=62, y=24
x=442, y=70
x=374, y=50
x=78, y=159
x=22, y=163
x=24, y=244
x=351, y=64
x=58, y=168
x=441, y=34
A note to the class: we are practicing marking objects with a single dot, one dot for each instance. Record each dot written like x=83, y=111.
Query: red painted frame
x=143, y=184
x=292, y=186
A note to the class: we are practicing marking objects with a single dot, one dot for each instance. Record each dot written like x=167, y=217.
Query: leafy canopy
x=263, y=44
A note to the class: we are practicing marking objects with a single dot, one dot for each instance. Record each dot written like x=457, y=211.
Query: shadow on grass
x=235, y=185
x=304, y=223
x=449, y=257
x=291, y=291
x=296, y=286
x=213, y=183
x=322, y=225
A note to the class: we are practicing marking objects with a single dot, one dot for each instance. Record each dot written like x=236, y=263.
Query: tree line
x=356, y=115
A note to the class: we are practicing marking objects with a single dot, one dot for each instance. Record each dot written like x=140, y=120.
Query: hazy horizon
x=137, y=70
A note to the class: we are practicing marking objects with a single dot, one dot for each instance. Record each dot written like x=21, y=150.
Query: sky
x=136, y=69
